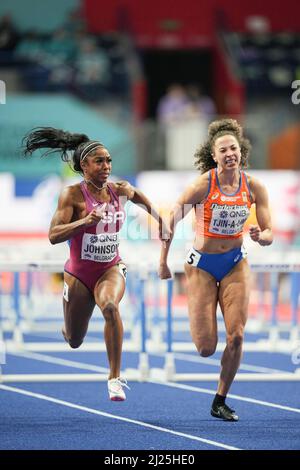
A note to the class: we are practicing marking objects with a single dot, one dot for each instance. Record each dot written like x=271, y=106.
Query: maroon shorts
x=89, y=275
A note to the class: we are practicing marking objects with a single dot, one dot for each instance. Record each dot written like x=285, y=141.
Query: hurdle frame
x=144, y=372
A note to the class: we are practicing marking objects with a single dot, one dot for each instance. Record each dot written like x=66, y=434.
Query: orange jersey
x=223, y=215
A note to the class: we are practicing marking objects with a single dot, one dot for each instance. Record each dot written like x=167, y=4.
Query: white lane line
x=236, y=397
x=120, y=418
x=216, y=362
x=82, y=365
x=59, y=361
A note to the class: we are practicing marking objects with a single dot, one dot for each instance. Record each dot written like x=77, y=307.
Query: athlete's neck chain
x=95, y=186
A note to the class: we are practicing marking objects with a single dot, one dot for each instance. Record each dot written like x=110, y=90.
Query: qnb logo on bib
x=101, y=248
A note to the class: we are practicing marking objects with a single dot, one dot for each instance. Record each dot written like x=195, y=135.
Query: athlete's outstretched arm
x=261, y=233
x=194, y=194
x=138, y=197
x=61, y=227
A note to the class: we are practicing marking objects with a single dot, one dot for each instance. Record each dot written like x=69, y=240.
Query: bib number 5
x=191, y=258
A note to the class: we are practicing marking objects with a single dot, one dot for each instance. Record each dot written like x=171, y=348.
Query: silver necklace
x=97, y=187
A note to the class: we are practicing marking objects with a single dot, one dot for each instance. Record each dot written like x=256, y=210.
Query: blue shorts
x=216, y=264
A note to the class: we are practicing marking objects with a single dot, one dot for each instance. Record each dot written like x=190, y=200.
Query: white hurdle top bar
x=56, y=266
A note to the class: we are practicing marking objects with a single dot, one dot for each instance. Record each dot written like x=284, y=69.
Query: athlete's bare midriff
x=216, y=245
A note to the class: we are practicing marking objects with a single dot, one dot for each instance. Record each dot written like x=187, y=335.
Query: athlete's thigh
x=234, y=296
x=111, y=286
x=78, y=304
x=202, y=291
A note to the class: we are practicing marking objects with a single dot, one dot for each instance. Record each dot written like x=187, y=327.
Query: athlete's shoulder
x=257, y=187
x=121, y=184
x=202, y=183
x=248, y=176
x=73, y=189
x=202, y=180
x=196, y=191
x=123, y=188
x=71, y=193
x=255, y=183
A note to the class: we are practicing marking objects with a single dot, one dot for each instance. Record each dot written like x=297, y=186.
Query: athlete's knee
x=207, y=351
x=110, y=311
x=235, y=340
x=206, y=348
x=73, y=341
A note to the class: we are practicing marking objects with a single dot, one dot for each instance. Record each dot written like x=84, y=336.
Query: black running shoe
x=223, y=412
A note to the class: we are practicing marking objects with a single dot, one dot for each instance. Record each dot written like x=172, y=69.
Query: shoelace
x=122, y=382
x=226, y=408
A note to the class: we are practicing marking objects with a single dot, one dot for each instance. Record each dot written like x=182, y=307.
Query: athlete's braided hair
x=203, y=155
x=57, y=140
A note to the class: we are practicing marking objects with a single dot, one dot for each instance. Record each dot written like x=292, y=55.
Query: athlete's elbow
x=53, y=238
x=266, y=242
x=270, y=237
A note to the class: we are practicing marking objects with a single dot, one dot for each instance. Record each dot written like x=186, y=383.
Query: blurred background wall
x=46, y=16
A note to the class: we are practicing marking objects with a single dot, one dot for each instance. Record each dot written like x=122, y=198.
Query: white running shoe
x=115, y=389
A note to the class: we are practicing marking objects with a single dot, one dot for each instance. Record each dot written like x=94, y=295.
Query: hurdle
x=20, y=326
x=141, y=343
x=272, y=344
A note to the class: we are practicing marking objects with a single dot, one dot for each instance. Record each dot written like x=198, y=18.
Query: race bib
x=101, y=248
x=228, y=220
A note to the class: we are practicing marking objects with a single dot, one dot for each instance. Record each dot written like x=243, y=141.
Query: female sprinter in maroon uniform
x=89, y=216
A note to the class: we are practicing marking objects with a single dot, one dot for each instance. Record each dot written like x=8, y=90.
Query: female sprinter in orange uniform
x=89, y=216
x=216, y=266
